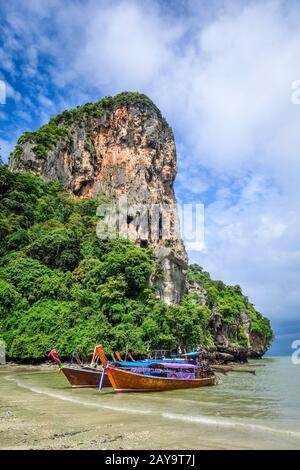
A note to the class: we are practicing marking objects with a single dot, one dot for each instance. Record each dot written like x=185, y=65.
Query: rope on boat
x=101, y=380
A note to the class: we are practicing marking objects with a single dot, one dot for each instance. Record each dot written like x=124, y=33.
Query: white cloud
x=6, y=147
x=255, y=242
x=12, y=93
x=124, y=47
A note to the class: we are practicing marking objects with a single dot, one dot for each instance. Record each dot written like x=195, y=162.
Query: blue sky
x=222, y=74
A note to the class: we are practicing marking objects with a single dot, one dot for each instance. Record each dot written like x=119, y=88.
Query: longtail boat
x=156, y=376
x=81, y=375
x=152, y=380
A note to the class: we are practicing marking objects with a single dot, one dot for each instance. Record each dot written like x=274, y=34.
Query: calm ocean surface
x=242, y=411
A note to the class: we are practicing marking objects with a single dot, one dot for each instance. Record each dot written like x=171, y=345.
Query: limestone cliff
x=120, y=146
x=237, y=330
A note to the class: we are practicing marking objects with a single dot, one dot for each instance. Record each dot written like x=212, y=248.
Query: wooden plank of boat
x=84, y=377
x=126, y=381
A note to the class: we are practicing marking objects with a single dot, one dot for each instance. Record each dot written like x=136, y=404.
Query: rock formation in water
x=119, y=147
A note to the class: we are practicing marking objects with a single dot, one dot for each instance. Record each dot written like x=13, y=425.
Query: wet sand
x=30, y=420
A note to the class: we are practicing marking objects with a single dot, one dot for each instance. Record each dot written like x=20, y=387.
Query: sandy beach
x=30, y=420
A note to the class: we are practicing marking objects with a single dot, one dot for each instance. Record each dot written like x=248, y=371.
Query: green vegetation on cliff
x=58, y=128
x=229, y=301
x=60, y=286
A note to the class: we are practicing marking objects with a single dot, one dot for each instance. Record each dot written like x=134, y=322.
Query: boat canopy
x=134, y=363
x=172, y=365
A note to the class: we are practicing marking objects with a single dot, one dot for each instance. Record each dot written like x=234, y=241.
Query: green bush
x=45, y=139
x=10, y=299
x=24, y=273
x=56, y=247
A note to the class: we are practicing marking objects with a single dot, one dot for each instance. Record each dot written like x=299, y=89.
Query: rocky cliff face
x=226, y=337
x=118, y=148
x=235, y=337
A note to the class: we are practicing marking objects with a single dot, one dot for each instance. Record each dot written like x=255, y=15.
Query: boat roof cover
x=134, y=363
x=172, y=365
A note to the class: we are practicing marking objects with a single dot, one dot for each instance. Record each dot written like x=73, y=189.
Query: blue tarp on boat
x=135, y=363
x=189, y=354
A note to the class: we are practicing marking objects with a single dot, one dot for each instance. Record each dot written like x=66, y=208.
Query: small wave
x=76, y=400
x=206, y=420
x=172, y=399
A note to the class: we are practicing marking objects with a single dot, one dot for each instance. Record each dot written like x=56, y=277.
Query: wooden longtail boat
x=156, y=377
x=84, y=377
x=127, y=381
x=81, y=375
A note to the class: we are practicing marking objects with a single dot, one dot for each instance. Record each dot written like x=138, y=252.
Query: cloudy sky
x=223, y=73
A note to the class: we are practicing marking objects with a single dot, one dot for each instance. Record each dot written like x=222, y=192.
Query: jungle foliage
x=60, y=286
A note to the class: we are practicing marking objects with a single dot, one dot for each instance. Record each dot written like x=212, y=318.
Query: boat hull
x=84, y=377
x=126, y=381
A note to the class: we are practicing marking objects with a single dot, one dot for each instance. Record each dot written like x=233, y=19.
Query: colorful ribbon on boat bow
x=53, y=354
